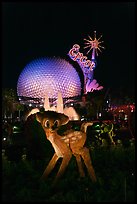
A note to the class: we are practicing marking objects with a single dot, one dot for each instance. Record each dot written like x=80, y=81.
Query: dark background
x=33, y=30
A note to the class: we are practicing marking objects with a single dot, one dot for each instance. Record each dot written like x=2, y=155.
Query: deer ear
x=39, y=117
x=63, y=118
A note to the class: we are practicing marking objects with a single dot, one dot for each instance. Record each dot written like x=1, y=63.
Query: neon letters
x=78, y=56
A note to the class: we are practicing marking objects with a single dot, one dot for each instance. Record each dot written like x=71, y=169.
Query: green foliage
x=113, y=168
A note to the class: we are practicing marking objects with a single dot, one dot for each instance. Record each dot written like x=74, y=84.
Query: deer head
x=51, y=121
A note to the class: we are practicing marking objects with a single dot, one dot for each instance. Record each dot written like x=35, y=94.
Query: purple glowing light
x=49, y=76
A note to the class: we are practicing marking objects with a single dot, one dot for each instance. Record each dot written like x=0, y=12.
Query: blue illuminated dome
x=49, y=76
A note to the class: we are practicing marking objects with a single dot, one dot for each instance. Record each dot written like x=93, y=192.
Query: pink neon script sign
x=78, y=56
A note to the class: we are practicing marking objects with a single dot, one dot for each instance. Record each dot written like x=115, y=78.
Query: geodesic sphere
x=49, y=76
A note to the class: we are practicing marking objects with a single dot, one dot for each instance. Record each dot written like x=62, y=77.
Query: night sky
x=34, y=30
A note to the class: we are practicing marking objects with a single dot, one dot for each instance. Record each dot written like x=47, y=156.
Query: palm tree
x=10, y=102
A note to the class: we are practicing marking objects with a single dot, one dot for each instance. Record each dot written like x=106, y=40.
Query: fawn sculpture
x=71, y=143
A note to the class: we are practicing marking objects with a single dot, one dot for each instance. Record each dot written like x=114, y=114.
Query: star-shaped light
x=94, y=44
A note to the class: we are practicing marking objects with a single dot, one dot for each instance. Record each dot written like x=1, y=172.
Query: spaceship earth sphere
x=49, y=76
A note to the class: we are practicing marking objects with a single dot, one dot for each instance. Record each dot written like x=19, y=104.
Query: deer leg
x=87, y=160
x=64, y=164
x=50, y=166
x=79, y=163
